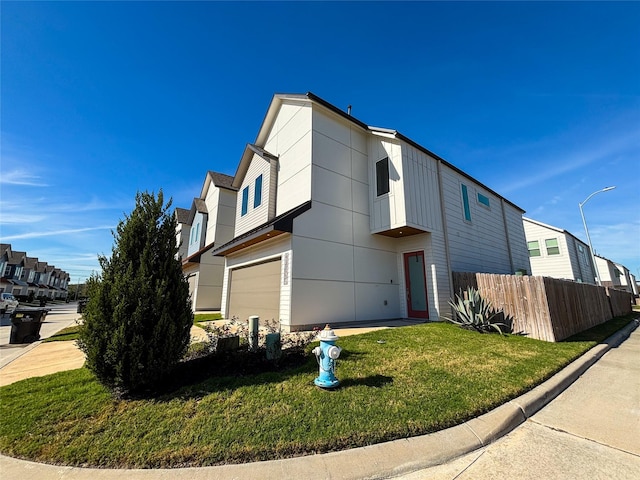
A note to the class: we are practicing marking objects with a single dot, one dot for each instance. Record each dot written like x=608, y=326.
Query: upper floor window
x=245, y=201
x=257, y=192
x=552, y=246
x=465, y=202
x=382, y=176
x=534, y=248
x=483, y=200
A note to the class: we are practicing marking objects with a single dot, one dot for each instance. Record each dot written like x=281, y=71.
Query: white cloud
x=21, y=177
x=22, y=236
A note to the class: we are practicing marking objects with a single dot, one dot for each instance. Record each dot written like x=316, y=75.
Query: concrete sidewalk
x=453, y=453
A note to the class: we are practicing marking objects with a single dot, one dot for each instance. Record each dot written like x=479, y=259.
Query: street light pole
x=584, y=222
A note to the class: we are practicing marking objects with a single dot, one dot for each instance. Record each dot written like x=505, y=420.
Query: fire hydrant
x=326, y=356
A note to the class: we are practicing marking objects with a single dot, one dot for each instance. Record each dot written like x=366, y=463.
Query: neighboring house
x=609, y=273
x=22, y=274
x=625, y=278
x=340, y=222
x=208, y=224
x=13, y=267
x=557, y=253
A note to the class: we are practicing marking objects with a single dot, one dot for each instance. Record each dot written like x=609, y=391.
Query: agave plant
x=474, y=312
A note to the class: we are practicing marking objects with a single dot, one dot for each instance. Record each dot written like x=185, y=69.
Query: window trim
x=548, y=247
x=245, y=201
x=529, y=245
x=382, y=167
x=483, y=200
x=466, y=208
x=257, y=192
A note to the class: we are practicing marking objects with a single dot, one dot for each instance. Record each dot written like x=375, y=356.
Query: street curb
x=379, y=461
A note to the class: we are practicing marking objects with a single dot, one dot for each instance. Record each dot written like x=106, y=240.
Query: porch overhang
x=276, y=227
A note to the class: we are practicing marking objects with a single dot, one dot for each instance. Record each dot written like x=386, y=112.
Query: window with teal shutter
x=465, y=202
x=257, y=193
x=245, y=201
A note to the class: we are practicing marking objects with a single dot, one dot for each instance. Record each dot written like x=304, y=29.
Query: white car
x=8, y=303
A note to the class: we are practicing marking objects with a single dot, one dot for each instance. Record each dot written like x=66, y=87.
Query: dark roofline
x=280, y=224
x=402, y=137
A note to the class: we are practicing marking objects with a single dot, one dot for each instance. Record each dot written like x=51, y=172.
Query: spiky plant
x=474, y=312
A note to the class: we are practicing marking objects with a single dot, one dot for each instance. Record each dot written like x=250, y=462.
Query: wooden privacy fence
x=547, y=308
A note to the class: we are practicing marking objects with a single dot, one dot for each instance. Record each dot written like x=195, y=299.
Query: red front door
x=416, y=284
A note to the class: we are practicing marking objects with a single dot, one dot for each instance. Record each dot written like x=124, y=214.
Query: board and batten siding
x=388, y=210
x=479, y=245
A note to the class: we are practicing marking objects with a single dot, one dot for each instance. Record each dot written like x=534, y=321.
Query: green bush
x=138, y=317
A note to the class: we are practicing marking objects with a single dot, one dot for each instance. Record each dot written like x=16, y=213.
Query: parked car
x=8, y=303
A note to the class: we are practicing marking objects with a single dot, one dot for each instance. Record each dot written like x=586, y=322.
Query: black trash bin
x=26, y=323
x=82, y=303
x=43, y=302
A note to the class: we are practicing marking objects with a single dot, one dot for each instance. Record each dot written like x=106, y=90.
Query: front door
x=416, y=285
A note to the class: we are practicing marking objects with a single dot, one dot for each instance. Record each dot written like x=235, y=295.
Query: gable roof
x=311, y=98
x=551, y=227
x=182, y=215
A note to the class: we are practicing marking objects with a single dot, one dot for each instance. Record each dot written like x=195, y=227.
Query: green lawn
x=417, y=380
x=200, y=318
x=69, y=333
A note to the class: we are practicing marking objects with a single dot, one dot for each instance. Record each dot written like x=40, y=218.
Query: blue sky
x=538, y=101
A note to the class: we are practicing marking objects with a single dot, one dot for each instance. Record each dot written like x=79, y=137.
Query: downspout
x=506, y=231
x=445, y=230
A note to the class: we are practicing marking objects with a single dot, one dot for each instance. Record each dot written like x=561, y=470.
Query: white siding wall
x=517, y=238
x=182, y=239
x=420, y=179
x=481, y=244
x=254, y=216
x=388, y=210
x=225, y=217
x=341, y=271
x=290, y=140
x=555, y=266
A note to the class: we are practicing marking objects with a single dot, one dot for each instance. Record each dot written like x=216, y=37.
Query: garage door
x=255, y=290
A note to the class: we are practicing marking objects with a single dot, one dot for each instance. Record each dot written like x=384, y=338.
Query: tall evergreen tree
x=138, y=317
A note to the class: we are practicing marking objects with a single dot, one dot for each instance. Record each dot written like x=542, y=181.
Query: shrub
x=474, y=312
x=138, y=316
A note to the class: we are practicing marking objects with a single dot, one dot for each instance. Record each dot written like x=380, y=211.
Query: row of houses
x=330, y=220
x=28, y=277
x=557, y=253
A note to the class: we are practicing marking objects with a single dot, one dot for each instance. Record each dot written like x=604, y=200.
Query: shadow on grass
x=602, y=333
x=201, y=376
x=376, y=381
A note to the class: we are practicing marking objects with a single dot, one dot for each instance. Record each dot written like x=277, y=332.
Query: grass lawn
x=69, y=333
x=419, y=379
x=200, y=318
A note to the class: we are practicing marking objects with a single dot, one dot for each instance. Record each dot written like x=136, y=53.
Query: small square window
x=483, y=200
x=382, y=176
x=534, y=248
x=245, y=201
x=552, y=246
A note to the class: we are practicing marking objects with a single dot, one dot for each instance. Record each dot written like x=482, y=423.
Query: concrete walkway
x=590, y=431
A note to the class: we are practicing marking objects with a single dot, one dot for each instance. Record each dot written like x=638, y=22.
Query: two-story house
x=557, y=253
x=208, y=224
x=337, y=221
x=11, y=281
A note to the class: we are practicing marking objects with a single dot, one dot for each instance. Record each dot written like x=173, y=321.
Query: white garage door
x=255, y=290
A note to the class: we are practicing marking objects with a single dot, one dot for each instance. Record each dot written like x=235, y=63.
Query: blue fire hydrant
x=326, y=356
